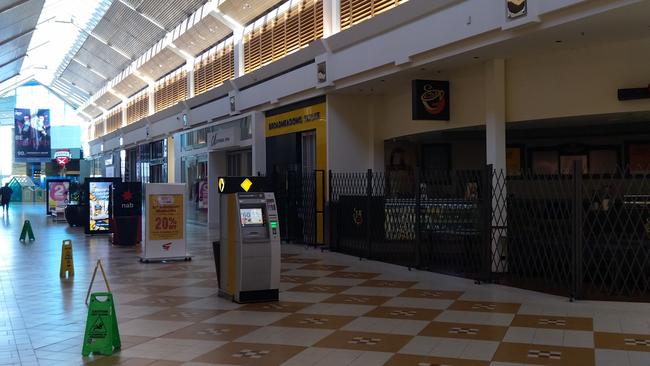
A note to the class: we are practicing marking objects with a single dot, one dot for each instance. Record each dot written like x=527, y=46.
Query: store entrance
x=290, y=160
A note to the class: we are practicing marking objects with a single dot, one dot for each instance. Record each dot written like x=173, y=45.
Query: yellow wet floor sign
x=67, y=263
x=102, y=335
x=27, y=230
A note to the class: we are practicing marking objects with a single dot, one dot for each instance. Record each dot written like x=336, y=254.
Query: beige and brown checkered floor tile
x=388, y=283
x=484, y=306
x=324, y=267
x=296, y=279
x=431, y=294
x=191, y=315
x=194, y=274
x=212, y=332
x=553, y=322
x=146, y=289
x=364, y=341
x=520, y=353
x=330, y=289
x=314, y=321
x=464, y=331
x=357, y=299
x=413, y=360
x=253, y=354
x=355, y=275
x=162, y=301
x=300, y=260
x=403, y=313
x=623, y=342
x=279, y=306
x=207, y=283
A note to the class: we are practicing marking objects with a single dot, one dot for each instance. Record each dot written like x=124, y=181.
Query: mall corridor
x=334, y=310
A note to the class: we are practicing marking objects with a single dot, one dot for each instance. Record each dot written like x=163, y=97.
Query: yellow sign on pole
x=165, y=217
x=67, y=263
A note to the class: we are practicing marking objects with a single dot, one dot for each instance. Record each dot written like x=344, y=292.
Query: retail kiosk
x=249, y=253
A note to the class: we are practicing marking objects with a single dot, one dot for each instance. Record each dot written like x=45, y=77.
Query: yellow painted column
x=171, y=161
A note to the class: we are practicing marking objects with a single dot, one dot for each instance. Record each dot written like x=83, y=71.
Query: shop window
x=545, y=162
x=603, y=161
x=638, y=157
x=246, y=129
x=567, y=162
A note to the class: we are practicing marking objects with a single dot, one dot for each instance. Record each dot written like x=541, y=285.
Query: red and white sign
x=62, y=157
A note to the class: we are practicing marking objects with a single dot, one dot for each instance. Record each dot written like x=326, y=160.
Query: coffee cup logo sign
x=62, y=157
x=516, y=8
x=430, y=100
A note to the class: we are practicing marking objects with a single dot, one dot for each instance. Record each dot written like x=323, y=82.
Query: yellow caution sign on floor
x=67, y=263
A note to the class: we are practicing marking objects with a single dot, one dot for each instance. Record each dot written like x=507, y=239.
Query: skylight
x=62, y=28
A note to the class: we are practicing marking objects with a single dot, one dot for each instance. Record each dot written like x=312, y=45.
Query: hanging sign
x=430, y=100
x=62, y=157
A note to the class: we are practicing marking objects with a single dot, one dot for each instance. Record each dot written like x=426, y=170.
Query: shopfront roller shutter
x=356, y=11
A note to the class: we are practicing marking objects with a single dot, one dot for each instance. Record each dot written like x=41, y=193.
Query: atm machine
x=249, y=263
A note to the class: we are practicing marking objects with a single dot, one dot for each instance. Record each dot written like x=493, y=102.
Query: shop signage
x=62, y=157
x=430, y=100
x=222, y=138
x=301, y=119
x=108, y=161
x=127, y=199
x=516, y=8
x=241, y=184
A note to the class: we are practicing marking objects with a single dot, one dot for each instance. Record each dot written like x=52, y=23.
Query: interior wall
x=350, y=132
x=577, y=82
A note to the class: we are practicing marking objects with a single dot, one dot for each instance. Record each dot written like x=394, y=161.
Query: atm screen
x=251, y=216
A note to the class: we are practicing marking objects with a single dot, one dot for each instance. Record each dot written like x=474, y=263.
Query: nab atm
x=249, y=254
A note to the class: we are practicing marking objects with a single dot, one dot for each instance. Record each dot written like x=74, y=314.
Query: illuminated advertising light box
x=99, y=194
x=58, y=193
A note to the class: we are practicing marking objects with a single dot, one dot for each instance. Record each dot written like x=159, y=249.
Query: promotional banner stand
x=164, y=223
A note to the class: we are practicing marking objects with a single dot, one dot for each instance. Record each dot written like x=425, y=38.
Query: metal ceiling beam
x=14, y=5
x=17, y=36
x=14, y=60
x=89, y=68
x=153, y=21
x=14, y=75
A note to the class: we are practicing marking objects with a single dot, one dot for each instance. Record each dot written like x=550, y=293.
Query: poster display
x=32, y=133
x=127, y=213
x=99, y=204
x=164, y=221
x=203, y=194
x=58, y=193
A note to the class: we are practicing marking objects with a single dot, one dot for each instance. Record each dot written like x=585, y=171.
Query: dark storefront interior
x=542, y=225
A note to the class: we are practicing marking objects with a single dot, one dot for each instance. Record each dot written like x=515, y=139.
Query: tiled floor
x=334, y=310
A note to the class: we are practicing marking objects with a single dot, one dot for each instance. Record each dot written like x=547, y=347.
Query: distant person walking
x=5, y=197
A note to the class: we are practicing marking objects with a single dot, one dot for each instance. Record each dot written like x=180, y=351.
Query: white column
x=495, y=114
x=331, y=17
x=495, y=143
x=239, y=52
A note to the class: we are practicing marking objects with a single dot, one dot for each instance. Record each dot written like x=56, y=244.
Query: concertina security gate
x=585, y=237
